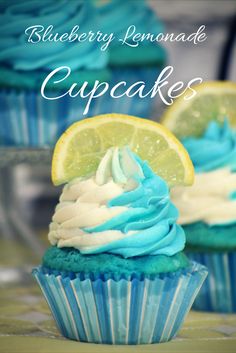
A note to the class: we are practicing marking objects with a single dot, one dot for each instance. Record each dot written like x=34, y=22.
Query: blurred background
x=27, y=197
x=212, y=59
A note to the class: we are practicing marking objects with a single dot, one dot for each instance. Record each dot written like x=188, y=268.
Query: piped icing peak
x=215, y=149
x=123, y=209
x=120, y=164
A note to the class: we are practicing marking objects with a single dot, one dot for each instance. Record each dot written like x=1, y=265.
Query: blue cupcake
x=28, y=119
x=208, y=214
x=128, y=60
x=116, y=272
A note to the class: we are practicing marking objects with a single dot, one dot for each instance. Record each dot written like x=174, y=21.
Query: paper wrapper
x=127, y=311
x=218, y=292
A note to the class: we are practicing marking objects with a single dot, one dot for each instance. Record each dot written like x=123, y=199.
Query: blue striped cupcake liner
x=218, y=292
x=29, y=120
x=127, y=311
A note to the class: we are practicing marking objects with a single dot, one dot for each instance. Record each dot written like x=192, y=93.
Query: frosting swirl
x=210, y=199
x=215, y=149
x=125, y=19
x=124, y=209
x=116, y=16
x=63, y=15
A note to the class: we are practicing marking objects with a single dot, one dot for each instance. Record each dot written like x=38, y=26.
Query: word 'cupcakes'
x=120, y=90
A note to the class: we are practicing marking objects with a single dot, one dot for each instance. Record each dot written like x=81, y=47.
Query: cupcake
x=208, y=214
x=116, y=272
x=131, y=60
x=27, y=118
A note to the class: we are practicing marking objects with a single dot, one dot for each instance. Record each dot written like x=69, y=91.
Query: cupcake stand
x=26, y=324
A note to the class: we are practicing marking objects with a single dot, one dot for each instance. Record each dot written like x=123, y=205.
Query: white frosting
x=208, y=200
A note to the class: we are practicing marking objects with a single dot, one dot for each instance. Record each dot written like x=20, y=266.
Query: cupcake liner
x=218, y=292
x=29, y=120
x=127, y=311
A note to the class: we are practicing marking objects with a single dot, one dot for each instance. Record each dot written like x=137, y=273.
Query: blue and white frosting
x=211, y=199
x=215, y=149
x=124, y=209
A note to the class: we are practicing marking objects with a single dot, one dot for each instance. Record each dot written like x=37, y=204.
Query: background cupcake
x=116, y=272
x=27, y=118
x=206, y=125
x=132, y=61
x=208, y=214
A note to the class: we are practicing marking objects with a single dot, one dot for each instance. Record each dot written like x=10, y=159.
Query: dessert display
x=115, y=272
x=131, y=240
x=208, y=208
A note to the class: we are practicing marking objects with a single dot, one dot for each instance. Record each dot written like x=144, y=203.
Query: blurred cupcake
x=132, y=61
x=208, y=214
x=27, y=119
x=116, y=272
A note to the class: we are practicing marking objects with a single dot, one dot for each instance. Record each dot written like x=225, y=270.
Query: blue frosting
x=151, y=215
x=117, y=15
x=17, y=53
x=215, y=149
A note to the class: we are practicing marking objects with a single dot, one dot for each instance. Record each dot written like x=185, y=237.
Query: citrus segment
x=115, y=134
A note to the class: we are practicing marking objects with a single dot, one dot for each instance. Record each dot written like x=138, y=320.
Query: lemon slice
x=213, y=101
x=80, y=149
